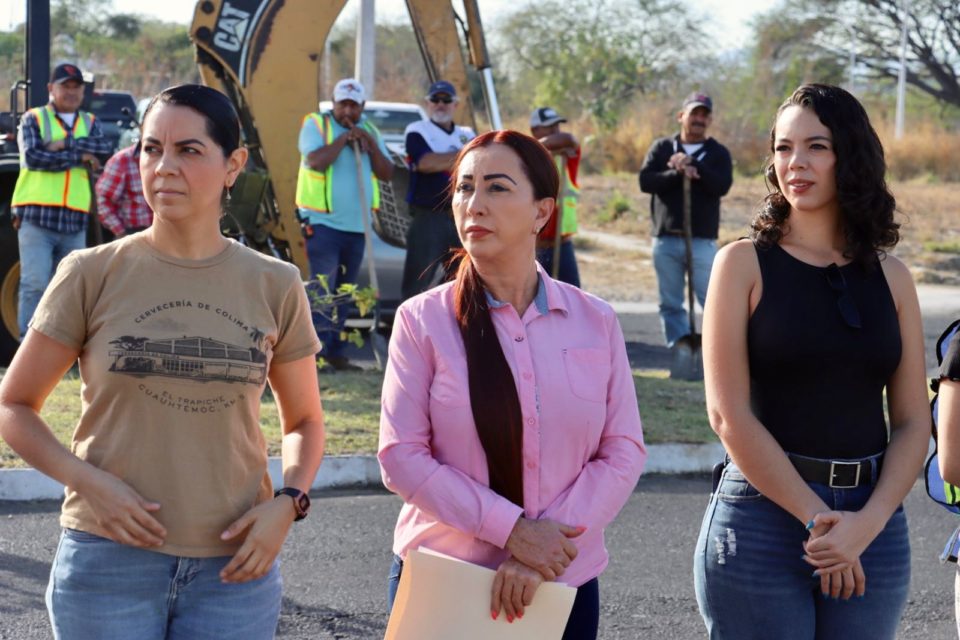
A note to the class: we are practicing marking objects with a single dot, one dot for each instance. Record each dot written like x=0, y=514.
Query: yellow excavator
x=266, y=56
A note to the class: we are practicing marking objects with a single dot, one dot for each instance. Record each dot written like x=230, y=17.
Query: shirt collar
x=546, y=299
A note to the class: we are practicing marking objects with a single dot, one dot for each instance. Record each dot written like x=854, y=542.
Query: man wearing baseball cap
x=328, y=198
x=51, y=202
x=432, y=146
x=545, y=126
x=694, y=155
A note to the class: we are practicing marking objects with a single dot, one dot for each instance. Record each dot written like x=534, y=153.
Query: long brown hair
x=493, y=392
x=866, y=205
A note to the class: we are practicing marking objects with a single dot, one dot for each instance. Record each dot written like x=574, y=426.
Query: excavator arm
x=266, y=56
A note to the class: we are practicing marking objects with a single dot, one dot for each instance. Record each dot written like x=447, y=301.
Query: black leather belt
x=838, y=474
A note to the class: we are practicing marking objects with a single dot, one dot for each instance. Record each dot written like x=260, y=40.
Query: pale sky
x=726, y=20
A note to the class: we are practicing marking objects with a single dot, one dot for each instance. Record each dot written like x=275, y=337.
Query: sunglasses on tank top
x=846, y=305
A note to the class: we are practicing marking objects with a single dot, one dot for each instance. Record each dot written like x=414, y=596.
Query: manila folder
x=442, y=598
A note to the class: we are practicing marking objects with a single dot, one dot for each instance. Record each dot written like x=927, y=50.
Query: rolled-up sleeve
x=607, y=480
x=407, y=463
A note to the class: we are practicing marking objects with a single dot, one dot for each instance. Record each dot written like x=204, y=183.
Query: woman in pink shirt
x=509, y=421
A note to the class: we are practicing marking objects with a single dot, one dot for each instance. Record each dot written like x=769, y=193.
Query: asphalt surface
x=335, y=565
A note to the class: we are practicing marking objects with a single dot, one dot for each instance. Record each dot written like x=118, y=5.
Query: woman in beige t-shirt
x=170, y=525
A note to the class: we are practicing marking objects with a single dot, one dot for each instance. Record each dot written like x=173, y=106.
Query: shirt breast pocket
x=588, y=372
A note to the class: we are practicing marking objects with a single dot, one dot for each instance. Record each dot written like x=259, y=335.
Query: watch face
x=303, y=504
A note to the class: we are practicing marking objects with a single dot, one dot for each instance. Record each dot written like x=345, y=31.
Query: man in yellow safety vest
x=328, y=198
x=59, y=145
x=545, y=126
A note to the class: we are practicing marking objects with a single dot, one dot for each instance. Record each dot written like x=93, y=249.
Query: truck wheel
x=9, y=285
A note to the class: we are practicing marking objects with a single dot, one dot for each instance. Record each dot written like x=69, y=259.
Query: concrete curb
x=363, y=471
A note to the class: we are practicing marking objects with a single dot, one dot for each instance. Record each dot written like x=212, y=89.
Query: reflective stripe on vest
x=569, y=193
x=69, y=189
x=315, y=188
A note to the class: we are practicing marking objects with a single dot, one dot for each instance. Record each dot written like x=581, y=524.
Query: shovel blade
x=687, y=358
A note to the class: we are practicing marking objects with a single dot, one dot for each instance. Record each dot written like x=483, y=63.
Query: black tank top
x=815, y=382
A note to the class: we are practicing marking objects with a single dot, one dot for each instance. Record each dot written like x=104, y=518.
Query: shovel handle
x=688, y=242
x=365, y=214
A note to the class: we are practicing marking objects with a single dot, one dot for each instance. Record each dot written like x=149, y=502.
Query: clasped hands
x=540, y=550
x=684, y=164
x=837, y=539
x=360, y=136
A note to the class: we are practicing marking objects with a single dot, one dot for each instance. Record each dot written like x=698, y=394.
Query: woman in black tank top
x=806, y=326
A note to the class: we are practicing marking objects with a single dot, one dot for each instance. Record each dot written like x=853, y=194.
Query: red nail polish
x=510, y=619
x=493, y=614
x=519, y=616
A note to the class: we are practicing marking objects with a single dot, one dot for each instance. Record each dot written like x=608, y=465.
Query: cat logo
x=231, y=28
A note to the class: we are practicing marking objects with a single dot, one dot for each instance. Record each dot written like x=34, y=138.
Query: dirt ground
x=613, y=249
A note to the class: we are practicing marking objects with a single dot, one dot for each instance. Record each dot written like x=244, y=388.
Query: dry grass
x=929, y=214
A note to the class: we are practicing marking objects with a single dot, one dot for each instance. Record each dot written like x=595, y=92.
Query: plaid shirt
x=37, y=157
x=120, y=200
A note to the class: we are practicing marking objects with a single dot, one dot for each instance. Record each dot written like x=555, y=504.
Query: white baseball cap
x=349, y=89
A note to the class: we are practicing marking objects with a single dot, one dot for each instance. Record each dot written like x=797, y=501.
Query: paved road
x=335, y=565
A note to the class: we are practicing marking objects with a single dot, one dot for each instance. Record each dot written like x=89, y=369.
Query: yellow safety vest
x=569, y=193
x=315, y=188
x=69, y=189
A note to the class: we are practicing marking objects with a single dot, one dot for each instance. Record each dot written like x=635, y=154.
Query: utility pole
x=366, y=50
x=902, y=78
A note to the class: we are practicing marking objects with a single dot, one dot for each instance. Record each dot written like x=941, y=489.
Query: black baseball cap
x=64, y=72
x=697, y=99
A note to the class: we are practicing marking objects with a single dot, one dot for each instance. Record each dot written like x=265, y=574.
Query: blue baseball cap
x=441, y=86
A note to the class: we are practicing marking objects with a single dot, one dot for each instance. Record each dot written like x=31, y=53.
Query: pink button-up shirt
x=583, y=445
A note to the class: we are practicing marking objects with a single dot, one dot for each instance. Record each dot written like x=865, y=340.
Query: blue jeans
x=41, y=250
x=584, y=620
x=669, y=261
x=568, y=262
x=105, y=590
x=752, y=582
x=336, y=255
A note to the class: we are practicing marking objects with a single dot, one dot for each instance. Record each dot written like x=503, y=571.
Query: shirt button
x=531, y=465
x=527, y=375
x=531, y=421
x=519, y=339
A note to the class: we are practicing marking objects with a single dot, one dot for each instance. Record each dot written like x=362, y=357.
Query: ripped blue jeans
x=752, y=582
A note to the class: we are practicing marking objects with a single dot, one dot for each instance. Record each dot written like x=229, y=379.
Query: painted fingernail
x=519, y=616
x=493, y=614
x=810, y=525
x=510, y=619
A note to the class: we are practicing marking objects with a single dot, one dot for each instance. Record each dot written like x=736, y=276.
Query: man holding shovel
x=704, y=164
x=329, y=189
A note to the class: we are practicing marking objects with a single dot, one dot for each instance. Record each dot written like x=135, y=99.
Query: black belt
x=838, y=474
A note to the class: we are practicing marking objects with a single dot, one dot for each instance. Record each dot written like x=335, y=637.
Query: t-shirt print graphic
x=194, y=358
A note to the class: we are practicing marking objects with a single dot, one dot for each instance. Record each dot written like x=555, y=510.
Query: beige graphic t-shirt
x=174, y=358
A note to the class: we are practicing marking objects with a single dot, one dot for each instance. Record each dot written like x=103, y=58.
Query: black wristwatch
x=301, y=501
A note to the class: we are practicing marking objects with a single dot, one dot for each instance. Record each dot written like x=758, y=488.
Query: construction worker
x=120, y=202
x=328, y=196
x=545, y=126
x=58, y=144
x=706, y=162
x=432, y=146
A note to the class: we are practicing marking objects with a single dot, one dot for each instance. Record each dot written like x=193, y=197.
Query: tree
x=592, y=56
x=933, y=40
